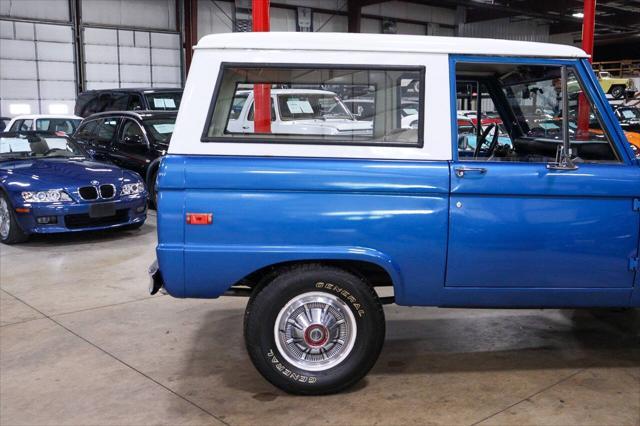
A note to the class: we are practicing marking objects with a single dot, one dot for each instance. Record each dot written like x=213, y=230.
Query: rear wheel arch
x=371, y=273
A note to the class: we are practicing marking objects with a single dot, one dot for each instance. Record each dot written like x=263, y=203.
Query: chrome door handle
x=462, y=171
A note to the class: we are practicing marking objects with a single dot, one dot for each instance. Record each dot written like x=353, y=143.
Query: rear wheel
x=314, y=330
x=10, y=232
x=617, y=92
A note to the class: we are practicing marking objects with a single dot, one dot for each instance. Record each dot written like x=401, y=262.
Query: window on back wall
x=318, y=106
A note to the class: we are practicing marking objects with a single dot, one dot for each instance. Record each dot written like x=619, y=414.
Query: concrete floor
x=82, y=343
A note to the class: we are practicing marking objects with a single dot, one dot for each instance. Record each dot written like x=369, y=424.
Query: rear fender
x=214, y=269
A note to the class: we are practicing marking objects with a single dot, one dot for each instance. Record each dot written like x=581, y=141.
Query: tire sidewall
x=7, y=239
x=617, y=92
x=16, y=234
x=260, y=336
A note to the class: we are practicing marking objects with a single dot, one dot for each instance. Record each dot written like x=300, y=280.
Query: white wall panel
x=140, y=74
x=36, y=65
x=151, y=14
x=136, y=55
x=414, y=29
x=100, y=54
x=55, y=10
x=142, y=39
x=324, y=22
x=24, y=31
x=60, y=71
x=411, y=11
x=509, y=29
x=101, y=73
x=100, y=36
x=19, y=89
x=57, y=33
x=165, y=57
x=165, y=41
x=57, y=90
x=11, y=69
x=166, y=76
x=214, y=17
x=17, y=49
x=373, y=26
x=317, y=4
x=50, y=51
x=7, y=30
x=283, y=19
x=124, y=58
x=126, y=38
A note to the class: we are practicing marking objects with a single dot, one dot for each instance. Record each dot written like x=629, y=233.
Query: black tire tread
x=268, y=283
x=16, y=234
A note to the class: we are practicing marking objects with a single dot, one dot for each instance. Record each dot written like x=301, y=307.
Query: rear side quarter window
x=308, y=104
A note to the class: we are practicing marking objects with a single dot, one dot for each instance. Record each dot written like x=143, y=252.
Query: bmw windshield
x=16, y=146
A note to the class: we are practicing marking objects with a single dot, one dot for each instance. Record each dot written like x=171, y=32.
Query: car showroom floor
x=82, y=343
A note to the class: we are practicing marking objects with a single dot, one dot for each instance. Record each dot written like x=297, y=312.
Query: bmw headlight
x=132, y=188
x=50, y=196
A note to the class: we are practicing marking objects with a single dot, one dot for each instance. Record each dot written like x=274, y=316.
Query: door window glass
x=135, y=102
x=160, y=129
x=86, y=130
x=132, y=133
x=119, y=101
x=529, y=125
x=106, y=129
x=24, y=125
x=308, y=105
x=15, y=127
x=64, y=125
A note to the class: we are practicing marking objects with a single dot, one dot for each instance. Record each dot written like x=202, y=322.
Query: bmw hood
x=54, y=173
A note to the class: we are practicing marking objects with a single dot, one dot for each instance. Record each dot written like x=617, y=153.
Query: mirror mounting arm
x=564, y=160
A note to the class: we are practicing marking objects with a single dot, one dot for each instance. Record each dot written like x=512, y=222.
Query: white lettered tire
x=314, y=329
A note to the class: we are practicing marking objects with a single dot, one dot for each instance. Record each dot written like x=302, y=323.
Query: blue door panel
x=534, y=179
x=533, y=241
x=521, y=225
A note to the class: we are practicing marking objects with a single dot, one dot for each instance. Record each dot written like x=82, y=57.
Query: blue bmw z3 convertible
x=48, y=184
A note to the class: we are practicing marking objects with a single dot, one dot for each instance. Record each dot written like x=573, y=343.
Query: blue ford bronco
x=274, y=189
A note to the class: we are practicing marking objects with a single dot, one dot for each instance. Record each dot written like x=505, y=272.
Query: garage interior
x=83, y=343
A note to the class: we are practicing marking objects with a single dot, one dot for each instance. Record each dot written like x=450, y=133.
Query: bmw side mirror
x=133, y=140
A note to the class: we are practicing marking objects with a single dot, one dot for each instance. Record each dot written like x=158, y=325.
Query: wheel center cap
x=316, y=335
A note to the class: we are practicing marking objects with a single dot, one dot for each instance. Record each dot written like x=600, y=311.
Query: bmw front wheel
x=314, y=330
x=10, y=232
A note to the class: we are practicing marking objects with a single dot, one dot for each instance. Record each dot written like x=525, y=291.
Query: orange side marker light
x=199, y=218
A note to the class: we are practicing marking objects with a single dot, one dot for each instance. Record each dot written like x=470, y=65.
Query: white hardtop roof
x=386, y=43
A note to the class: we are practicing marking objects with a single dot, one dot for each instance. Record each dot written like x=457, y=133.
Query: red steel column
x=190, y=30
x=588, y=29
x=261, y=92
x=588, y=26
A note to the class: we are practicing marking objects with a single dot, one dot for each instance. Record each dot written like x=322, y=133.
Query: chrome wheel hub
x=315, y=331
x=5, y=218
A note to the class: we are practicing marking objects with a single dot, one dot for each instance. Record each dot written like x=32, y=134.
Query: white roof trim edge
x=282, y=41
